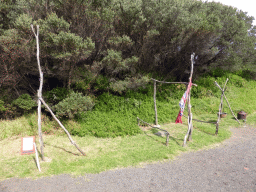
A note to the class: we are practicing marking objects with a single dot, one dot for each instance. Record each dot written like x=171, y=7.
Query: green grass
x=125, y=150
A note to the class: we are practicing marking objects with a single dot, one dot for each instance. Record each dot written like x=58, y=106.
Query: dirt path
x=229, y=167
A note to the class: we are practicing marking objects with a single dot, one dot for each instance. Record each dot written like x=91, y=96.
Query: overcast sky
x=248, y=6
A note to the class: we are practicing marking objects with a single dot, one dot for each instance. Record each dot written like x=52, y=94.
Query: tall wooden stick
x=220, y=108
x=40, y=99
x=156, y=120
x=39, y=92
x=190, y=119
x=190, y=125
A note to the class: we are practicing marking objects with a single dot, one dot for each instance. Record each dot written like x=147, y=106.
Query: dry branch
x=190, y=125
x=186, y=83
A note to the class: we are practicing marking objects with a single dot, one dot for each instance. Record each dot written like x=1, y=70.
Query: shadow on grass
x=164, y=143
x=64, y=150
x=212, y=134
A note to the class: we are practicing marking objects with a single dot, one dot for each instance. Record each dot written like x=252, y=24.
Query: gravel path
x=228, y=167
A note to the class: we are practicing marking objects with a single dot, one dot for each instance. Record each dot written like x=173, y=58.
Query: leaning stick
x=227, y=102
x=56, y=119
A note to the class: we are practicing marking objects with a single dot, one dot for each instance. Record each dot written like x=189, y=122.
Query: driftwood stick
x=222, y=90
x=230, y=108
x=173, y=82
x=220, y=108
x=190, y=125
x=56, y=119
x=167, y=133
x=156, y=121
x=39, y=92
x=190, y=120
x=37, y=160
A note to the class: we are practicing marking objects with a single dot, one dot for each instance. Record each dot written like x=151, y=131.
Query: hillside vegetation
x=98, y=56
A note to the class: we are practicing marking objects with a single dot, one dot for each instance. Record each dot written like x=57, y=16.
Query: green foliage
x=24, y=102
x=23, y=22
x=56, y=95
x=73, y=105
x=2, y=107
x=129, y=84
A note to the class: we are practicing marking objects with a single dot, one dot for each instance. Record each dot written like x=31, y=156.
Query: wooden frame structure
x=190, y=125
x=221, y=105
x=41, y=100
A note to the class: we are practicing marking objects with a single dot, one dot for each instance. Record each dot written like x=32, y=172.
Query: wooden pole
x=190, y=120
x=156, y=120
x=37, y=160
x=220, y=108
x=190, y=125
x=173, y=82
x=56, y=119
x=39, y=92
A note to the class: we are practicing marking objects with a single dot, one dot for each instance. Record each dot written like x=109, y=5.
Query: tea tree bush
x=56, y=95
x=74, y=104
x=24, y=102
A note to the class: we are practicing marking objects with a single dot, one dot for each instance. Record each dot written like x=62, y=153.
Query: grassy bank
x=113, y=149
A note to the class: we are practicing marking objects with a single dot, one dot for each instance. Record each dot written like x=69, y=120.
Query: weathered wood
x=186, y=83
x=220, y=108
x=66, y=131
x=37, y=160
x=188, y=135
x=222, y=90
x=39, y=92
x=190, y=120
x=156, y=120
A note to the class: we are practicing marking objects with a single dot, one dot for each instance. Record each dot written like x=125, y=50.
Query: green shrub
x=24, y=102
x=115, y=116
x=74, y=104
x=2, y=107
x=56, y=95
